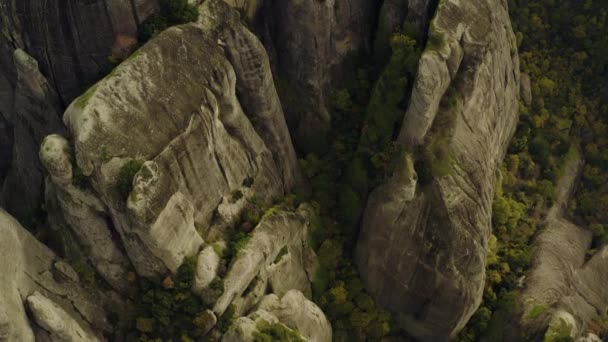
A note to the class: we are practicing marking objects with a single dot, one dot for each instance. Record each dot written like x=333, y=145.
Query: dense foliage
x=172, y=12
x=365, y=121
x=169, y=310
x=564, y=50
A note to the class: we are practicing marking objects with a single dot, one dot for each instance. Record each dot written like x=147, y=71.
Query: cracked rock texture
x=259, y=262
x=422, y=254
x=71, y=43
x=59, y=304
x=300, y=314
x=181, y=88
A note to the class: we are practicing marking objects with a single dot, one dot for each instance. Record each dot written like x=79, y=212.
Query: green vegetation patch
x=124, y=183
x=275, y=332
x=536, y=311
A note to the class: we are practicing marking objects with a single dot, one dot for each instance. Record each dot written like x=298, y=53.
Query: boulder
x=245, y=329
x=163, y=142
x=52, y=318
x=300, y=314
x=207, y=265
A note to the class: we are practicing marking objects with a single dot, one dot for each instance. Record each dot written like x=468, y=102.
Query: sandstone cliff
x=422, y=247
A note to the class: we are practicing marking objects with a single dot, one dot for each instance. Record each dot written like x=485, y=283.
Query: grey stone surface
x=58, y=323
x=174, y=105
x=29, y=268
x=245, y=328
x=72, y=40
x=298, y=313
x=257, y=261
x=315, y=43
x=254, y=85
x=562, y=279
x=422, y=255
x=36, y=112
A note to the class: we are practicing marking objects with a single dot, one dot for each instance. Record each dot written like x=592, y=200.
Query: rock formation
x=563, y=288
x=35, y=114
x=314, y=43
x=34, y=278
x=160, y=148
x=72, y=44
x=422, y=253
x=72, y=40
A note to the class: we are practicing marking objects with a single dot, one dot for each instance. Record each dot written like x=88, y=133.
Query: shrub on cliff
x=172, y=12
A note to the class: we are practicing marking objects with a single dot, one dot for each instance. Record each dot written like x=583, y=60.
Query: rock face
x=561, y=284
x=245, y=329
x=74, y=44
x=314, y=42
x=293, y=311
x=277, y=259
x=35, y=114
x=172, y=114
x=57, y=301
x=422, y=254
x=72, y=40
x=255, y=86
x=300, y=314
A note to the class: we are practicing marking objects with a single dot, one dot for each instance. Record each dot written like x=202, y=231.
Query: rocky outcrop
x=294, y=312
x=74, y=43
x=52, y=318
x=79, y=210
x=562, y=286
x=300, y=314
x=276, y=259
x=33, y=277
x=422, y=253
x=245, y=329
x=255, y=86
x=35, y=114
x=171, y=115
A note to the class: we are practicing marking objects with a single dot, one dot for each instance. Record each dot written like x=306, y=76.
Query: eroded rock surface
x=30, y=270
x=277, y=258
x=316, y=43
x=35, y=113
x=562, y=285
x=298, y=313
x=172, y=114
x=72, y=40
x=422, y=254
